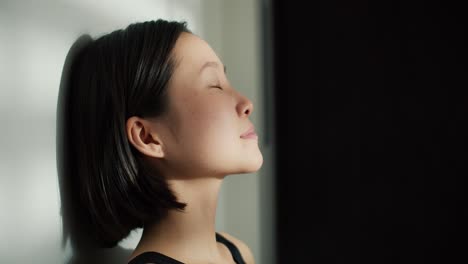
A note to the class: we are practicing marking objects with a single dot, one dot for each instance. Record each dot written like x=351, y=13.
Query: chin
x=253, y=165
x=247, y=164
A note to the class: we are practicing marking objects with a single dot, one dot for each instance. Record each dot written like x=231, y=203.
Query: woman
x=153, y=127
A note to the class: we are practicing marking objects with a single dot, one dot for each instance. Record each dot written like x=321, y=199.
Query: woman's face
x=201, y=132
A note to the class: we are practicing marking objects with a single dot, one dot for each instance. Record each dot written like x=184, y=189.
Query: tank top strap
x=153, y=257
x=236, y=255
x=156, y=257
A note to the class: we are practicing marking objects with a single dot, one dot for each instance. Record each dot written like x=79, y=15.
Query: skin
x=195, y=145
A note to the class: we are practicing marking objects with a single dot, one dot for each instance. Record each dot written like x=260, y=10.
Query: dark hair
x=116, y=76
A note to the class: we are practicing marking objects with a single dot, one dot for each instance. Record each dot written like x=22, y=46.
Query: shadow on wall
x=74, y=225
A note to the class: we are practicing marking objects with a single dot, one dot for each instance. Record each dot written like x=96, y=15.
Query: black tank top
x=158, y=258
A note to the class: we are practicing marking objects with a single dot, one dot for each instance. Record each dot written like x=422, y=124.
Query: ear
x=138, y=133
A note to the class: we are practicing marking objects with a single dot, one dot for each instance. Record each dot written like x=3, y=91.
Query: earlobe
x=139, y=136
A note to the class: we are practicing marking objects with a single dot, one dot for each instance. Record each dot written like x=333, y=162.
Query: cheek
x=212, y=124
x=211, y=128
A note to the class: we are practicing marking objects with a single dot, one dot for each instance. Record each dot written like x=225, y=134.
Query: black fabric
x=153, y=257
x=158, y=258
x=236, y=255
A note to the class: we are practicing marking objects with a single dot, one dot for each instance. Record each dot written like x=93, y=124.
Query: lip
x=250, y=133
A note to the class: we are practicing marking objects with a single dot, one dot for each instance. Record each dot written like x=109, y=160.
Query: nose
x=245, y=106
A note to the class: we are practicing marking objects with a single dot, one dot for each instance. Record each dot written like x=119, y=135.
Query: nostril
x=247, y=108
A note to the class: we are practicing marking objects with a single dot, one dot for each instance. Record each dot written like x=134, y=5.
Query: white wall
x=35, y=37
x=241, y=51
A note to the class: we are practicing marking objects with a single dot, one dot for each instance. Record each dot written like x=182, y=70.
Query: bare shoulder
x=245, y=251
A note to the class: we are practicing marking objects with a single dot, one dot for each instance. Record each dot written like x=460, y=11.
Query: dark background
x=370, y=131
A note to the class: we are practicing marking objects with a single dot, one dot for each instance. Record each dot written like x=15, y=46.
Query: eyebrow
x=213, y=64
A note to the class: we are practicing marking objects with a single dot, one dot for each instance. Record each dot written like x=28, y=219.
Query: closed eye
x=216, y=86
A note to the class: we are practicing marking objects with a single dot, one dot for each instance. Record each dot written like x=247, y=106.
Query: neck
x=188, y=234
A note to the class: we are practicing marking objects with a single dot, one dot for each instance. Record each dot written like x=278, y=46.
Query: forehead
x=191, y=52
